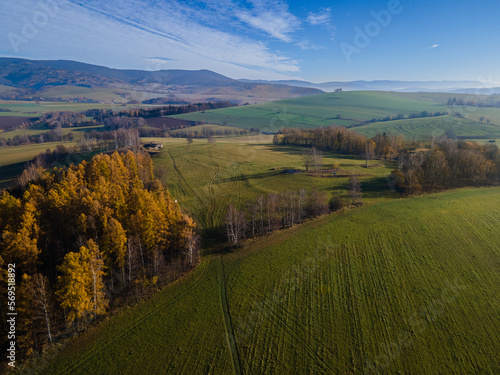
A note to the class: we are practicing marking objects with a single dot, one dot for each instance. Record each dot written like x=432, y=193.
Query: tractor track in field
x=307, y=348
x=72, y=367
x=211, y=193
x=233, y=181
x=181, y=176
x=225, y=203
x=227, y=320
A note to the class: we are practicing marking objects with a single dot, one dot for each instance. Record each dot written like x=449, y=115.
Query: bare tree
x=355, y=189
x=192, y=243
x=307, y=159
x=235, y=225
x=369, y=151
x=253, y=210
x=396, y=144
x=316, y=204
x=271, y=203
x=301, y=202
x=42, y=300
x=317, y=158
x=261, y=201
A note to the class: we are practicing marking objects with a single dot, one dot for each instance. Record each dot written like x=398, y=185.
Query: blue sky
x=265, y=39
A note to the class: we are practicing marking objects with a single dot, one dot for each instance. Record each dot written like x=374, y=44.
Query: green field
x=354, y=107
x=202, y=127
x=206, y=177
x=71, y=92
x=317, y=110
x=40, y=129
x=35, y=109
x=432, y=126
x=13, y=159
x=402, y=286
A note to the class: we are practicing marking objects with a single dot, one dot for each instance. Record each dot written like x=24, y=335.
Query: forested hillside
x=80, y=237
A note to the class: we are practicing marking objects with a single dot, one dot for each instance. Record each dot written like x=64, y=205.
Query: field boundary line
x=227, y=320
x=211, y=184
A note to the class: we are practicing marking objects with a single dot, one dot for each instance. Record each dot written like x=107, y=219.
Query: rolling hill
x=38, y=77
x=389, y=85
x=356, y=108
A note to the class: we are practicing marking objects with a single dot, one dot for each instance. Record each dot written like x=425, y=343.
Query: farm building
x=154, y=145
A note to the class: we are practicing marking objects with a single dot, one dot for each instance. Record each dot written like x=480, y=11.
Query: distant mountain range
x=471, y=87
x=35, y=77
x=71, y=80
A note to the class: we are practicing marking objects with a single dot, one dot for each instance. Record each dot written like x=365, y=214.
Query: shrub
x=336, y=204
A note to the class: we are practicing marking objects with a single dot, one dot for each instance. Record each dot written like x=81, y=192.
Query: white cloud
x=271, y=17
x=333, y=35
x=323, y=17
x=126, y=34
x=307, y=44
x=278, y=26
x=435, y=46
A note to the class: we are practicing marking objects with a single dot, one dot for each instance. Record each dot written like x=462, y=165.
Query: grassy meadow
x=77, y=131
x=419, y=128
x=13, y=159
x=35, y=109
x=401, y=286
x=351, y=108
x=316, y=110
x=205, y=178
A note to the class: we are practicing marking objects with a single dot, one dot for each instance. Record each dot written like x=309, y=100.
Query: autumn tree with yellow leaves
x=81, y=285
x=90, y=232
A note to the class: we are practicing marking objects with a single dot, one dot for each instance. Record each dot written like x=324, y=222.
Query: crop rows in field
x=406, y=286
x=424, y=128
x=318, y=110
x=352, y=108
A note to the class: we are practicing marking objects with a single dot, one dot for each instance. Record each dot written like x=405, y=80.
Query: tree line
x=208, y=132
x=481, y=102
x=282, y=210
x=440, y=163
x=82, y=236
x=402, y=116
x=100, y=114
x=54, y=135
x=447, y=164
x=112, y=120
